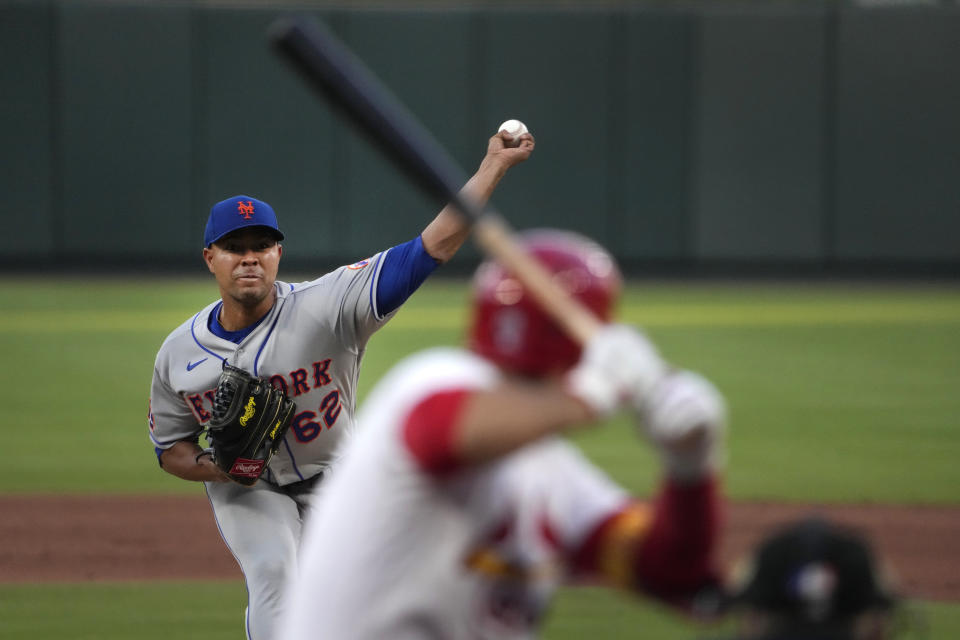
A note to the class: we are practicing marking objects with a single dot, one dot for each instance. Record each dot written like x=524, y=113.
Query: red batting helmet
x=510, y=329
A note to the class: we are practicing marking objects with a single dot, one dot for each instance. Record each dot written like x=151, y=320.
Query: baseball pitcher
x=268, y=373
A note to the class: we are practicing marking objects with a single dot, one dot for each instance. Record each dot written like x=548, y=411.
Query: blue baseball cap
x=239, y=212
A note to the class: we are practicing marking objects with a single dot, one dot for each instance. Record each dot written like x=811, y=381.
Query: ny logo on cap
x=246, y=210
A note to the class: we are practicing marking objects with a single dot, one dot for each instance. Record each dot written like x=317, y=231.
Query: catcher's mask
x=510, y=329
x=813, y=575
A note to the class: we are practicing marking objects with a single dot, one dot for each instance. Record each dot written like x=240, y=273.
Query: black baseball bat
x=331, y=68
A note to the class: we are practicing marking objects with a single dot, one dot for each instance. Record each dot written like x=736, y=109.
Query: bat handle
x=494, y=236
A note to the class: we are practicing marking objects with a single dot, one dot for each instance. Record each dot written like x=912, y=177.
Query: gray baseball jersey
x=310, y=344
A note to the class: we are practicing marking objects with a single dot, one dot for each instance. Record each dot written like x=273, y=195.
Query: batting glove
x=618, y=362
x=685, y=417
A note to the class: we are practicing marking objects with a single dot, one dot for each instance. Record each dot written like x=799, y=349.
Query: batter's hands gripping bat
x=328, y=65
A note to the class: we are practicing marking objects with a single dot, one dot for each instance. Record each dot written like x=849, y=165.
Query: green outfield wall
x=818, y=136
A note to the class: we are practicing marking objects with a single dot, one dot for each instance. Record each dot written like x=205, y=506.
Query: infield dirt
x=97, y=538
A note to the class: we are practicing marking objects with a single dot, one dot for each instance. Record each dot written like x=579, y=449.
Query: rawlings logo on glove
x=248, y=411
x=247, y=468
x=250, y=418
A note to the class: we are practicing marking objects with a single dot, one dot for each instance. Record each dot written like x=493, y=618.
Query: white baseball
x=515, y=128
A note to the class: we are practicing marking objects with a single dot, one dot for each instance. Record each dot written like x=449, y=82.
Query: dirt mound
x=80, y=538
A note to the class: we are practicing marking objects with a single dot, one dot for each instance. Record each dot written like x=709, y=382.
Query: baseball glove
x=250, y=418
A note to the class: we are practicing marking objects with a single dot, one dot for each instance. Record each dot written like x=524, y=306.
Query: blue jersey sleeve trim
x=405, y=267
x=166, y=443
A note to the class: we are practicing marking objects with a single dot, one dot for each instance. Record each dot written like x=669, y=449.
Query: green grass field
x=837, y=393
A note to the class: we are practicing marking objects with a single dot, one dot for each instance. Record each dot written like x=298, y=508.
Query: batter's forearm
x=675, y=559
x=182, y=461
x=665, y=551
x=497, y=422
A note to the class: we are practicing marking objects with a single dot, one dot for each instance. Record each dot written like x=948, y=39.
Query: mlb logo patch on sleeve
x=359, y=265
